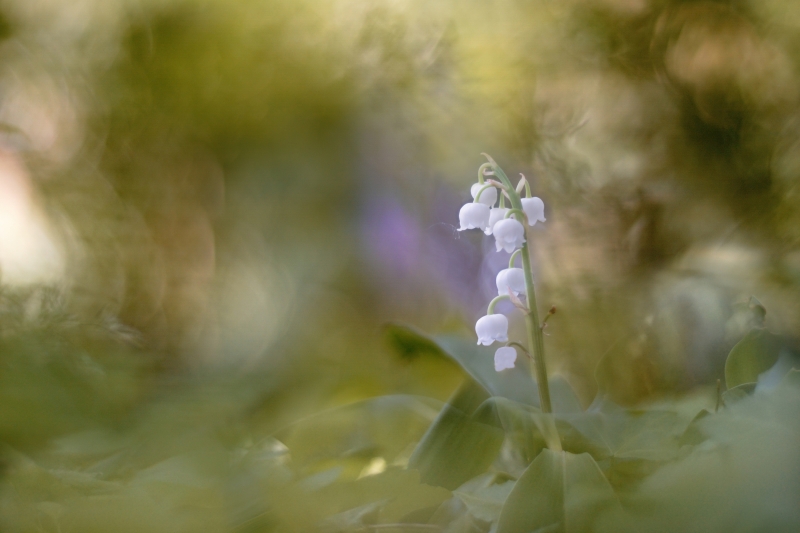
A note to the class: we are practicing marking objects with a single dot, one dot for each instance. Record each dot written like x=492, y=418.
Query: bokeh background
x=209, y=210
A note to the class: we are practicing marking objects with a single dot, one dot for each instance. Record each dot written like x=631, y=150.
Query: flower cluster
x=509, y=232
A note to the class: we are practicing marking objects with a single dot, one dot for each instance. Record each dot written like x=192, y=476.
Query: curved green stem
x=478, y=196
x=490, y=309
x=481, y=169
x=527, y=187
x=516, y=211
x=521, y=347
x=535, y=334
x=513, y=257
x=502, y=200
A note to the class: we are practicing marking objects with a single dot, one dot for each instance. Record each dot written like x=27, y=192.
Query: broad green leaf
x=486, y=503
x=773, y=377
x=744, y=478
x=357, y=518
x=377, y=427
x=693, y=435
x=410, y=342
x=791, y=379
x=477, y=361
x=458, y=446
x=528, y=431
x=559, y=492
x=754, y=354
x=401, y=490
x=381, y=498
x=52, y=385
x=562, y=396
x=737, y=393
x=624, y=434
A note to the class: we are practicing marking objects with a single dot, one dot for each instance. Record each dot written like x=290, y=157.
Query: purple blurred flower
x=391, y=237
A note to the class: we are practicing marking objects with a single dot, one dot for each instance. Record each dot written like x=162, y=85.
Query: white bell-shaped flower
x=508, y=234
x=474, y=216
x=496, y=214
x=510, y=278
x=492, y=328
x=534, y=209
x=504, y=357
x=488, y=197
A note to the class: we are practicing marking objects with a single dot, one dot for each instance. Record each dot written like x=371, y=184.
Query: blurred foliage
x=209, y=210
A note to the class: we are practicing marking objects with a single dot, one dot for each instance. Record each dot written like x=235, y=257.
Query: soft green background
x=244, y=193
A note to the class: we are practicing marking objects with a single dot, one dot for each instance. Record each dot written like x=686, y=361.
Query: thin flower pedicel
x=489, y=196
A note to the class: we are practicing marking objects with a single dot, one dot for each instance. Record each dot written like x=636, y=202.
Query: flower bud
x=488, y=197
x=474, y=216
x=504, y=358
x=534, y=209
x=510, y=278
x=492, y=328
x=496, y=214
x=509, y=235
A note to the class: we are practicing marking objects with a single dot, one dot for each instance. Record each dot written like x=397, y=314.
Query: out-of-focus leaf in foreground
x=461, y=443
x=486, y=503
x=754, y=354
x=559, y=492
x=357, y=433
x=477, y=361
x=744, y=478
x=626, y=434
x=55, y=381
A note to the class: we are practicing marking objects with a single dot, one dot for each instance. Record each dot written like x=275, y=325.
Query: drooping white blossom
x=488, y=197
x=509, y=234
x=492, y=328
x=510, y=278
x=496, y=214
x=534, y=209
x=504, y=358
x=474, y=215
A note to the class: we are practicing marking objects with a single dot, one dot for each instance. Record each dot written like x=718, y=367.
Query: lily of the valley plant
x=508, y=225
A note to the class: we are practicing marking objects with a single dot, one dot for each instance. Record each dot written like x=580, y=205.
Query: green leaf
x=477, y=361
x=356, y=518
x=563, y=396
x=458, y=445
x=380, y=498
x=526, y=430
x=754, y=354
x=486, y=503
x=560, y=492
x=791, y=379
x=738, y=392
x=693, y=435
x=744, y=478
x=410, y=342
x=623, y=434
x=377, y=427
